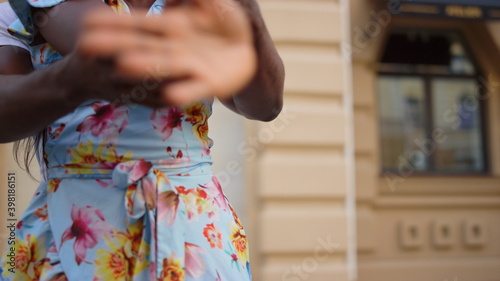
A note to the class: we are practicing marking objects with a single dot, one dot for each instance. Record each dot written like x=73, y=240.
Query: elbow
x=275, y=106
x=273, y=113
x=277, y=103
x=269, y=112
x=268, y=105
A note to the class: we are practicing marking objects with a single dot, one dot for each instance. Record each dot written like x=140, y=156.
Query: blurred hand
x=194, y=51
x=97, y=78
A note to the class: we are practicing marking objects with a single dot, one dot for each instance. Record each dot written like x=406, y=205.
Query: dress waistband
x=107, y=172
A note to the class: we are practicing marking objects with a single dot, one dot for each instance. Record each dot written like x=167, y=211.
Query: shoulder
x=7, y=15
x=7, y=18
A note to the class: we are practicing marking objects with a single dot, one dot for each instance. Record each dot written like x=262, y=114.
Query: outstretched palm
x=199, y=49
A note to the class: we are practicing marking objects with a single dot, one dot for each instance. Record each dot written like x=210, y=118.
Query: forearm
x=63, y=29
x=262, y=98
x=30, y=102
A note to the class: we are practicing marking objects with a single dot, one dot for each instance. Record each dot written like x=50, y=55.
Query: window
x=430, y=106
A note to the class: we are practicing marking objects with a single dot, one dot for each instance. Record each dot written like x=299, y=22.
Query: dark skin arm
x=32, y=100
x=64, y=27
x=23, y=106
x=14, y=60
x=261, y=99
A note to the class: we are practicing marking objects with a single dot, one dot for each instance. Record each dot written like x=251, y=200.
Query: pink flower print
x=161, y=178
x=108, y=121
x=176, y=160
x=88, y=228
x=53, y=248
x=136, y=170
x=54, y=134
x=166, y=120
x=215, y=193
x=149, y=193
x=167, y=206
x=152, y=270
x=195, y=265
x=42, y=213
x=195, y=201
x=234, y=257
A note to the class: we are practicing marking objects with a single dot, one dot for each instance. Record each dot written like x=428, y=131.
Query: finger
x=218, y=8
x=158, y=65
x=186, y=91
x=106, y=18
x=106, y=42
x=207, y=5
x=171, y=23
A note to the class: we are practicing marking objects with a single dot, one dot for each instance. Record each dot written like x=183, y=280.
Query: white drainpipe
x=350, y=200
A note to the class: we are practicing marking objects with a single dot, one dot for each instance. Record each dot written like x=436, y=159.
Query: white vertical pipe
x=348, y=103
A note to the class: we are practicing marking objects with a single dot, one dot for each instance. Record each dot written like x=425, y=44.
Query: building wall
x=401, y=227
x=297, y=182
x=296, y=174
x=25, y=187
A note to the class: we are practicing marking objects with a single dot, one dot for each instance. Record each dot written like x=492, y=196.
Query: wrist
x=69, y=81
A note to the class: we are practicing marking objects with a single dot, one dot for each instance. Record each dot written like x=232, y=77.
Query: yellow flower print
x=172, y=269
x=53, y=185
x=28, y=259
x=87, y=159
x=196, y=202
x=127, y=255
x=196, y=113
x=111, y=265
x=162, y=178
x=239, y=240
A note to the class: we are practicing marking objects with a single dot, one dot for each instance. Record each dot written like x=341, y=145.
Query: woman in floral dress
x=122, y=100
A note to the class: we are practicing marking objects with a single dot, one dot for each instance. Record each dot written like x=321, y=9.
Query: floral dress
x=129, y=195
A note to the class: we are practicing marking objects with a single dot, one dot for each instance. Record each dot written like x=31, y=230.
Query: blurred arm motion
x=198, y=49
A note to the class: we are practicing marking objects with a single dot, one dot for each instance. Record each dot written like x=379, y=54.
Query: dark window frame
x=479, y=77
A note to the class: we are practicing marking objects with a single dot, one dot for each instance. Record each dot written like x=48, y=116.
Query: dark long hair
x=26, y=149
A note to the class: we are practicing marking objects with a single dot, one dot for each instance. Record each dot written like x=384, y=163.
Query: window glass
x=431, y=120
x=458, y=112
x=403, y=120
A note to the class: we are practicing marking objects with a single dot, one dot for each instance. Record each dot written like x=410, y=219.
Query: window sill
x=465, y=185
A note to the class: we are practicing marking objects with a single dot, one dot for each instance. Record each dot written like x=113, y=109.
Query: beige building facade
x=409, y=225
x=318, y=201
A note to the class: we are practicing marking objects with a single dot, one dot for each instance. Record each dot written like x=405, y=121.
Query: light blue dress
x=130, y=193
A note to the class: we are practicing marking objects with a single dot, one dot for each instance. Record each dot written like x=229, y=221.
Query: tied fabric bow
x=141, y=189
x=143, y=183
